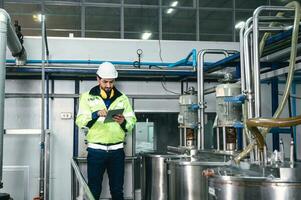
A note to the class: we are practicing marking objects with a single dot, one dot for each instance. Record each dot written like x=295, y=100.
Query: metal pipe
x=209, y=90
x=7, y=37
x=3, y=35
x=200, y=83
x=42, y=144
x=273, y=29
x=292, y=159
x=257, y=92
x=47, y=164
x=247, y=108
x=282, y=156
x=280, y=55
x=265, y=155
x=249, y=89
x=242, y=64
x=81, y=180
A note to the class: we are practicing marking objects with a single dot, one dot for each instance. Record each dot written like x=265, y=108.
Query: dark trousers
x=113, y=162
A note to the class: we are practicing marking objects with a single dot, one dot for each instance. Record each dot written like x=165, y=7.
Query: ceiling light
x=174, y=4
x=38, y=17
x=146, y=35
x=239, y=25
x=169, y=10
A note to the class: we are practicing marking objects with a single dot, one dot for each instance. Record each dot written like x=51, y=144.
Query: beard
x=108, y=89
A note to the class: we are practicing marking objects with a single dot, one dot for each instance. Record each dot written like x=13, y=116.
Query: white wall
x=117, y=49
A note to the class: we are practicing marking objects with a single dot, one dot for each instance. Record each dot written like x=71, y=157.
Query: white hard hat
x=107, y=70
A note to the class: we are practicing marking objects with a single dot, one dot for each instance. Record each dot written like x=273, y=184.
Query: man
x=105, y=140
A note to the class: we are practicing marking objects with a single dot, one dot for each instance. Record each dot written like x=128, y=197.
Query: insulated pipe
x=13, y=42
x=257, y=92
x=202, y=105
x=7, y=37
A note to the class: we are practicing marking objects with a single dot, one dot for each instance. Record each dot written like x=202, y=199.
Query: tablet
x=111, y=114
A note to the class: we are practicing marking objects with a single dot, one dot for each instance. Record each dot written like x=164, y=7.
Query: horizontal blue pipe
x=224, y=61
x=10, y=61
x=280, y=130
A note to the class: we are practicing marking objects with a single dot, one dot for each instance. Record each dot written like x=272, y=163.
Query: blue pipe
x=87, y=62
x=194, y=58
x=183, y=62
x=280, y=130
x=186, y=62
x=239, y=139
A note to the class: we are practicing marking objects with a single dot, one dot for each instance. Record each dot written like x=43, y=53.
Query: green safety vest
x=99, y=132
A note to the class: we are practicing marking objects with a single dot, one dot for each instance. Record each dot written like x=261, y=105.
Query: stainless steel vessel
x=260, y=186
x=154, y=175
x=185, y=180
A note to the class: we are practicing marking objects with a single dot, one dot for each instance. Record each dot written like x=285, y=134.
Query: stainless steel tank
x=260, y=186
x=185, y=180
x=154, y=175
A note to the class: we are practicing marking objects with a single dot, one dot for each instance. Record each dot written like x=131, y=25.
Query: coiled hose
x=292, y=63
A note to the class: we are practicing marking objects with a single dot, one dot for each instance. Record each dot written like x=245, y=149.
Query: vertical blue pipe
x=75, y=128
x=194, y=58
x=275, y=102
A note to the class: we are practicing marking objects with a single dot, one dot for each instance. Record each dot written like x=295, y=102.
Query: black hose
x=46, y=42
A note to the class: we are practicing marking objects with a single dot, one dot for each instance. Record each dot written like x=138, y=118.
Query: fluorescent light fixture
x=146, y=35
x=174, y=4
x=38, y=17
x=171, y=10
x=239, y=25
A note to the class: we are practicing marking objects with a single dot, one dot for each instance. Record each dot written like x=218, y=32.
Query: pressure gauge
x=139, y=51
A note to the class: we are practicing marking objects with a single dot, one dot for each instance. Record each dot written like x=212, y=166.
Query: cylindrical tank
x=228, y=112
x=188, y=115
x=239, y=186
x=154, y=175
x=185, y=180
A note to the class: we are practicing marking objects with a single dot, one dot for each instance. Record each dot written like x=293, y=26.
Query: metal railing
x=79, y=187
